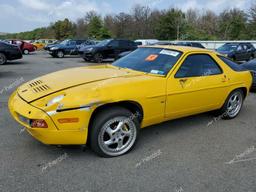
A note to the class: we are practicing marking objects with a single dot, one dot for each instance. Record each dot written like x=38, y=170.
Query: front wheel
x=114, y=132
x=3, y=59
x=233, y=104
x=60, y=54
x=98, y=58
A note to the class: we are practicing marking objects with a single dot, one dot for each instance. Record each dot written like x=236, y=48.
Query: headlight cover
x=55, y=100
x=54, y=48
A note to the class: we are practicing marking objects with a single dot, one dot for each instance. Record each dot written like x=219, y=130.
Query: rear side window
x=232, y=64
x=198, y=65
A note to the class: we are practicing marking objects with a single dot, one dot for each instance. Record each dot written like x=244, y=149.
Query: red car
x=25, y=47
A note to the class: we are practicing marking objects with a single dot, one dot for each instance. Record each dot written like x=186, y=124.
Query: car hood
x=224, y=52
x=69, y=78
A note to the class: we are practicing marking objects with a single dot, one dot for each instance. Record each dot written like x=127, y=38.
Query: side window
x=239, y=48
x=245, y=47
x=198, y=65
x=114, y=43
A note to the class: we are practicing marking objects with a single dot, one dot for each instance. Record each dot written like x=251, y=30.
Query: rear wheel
x=114, y=132
x=233, y=105
x=25, y=51
x=3, y=59
x=98, y=58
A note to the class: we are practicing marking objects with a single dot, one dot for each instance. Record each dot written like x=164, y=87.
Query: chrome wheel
x=26, y=52
x=60, y=54
x=117, y=136
x=234, y=104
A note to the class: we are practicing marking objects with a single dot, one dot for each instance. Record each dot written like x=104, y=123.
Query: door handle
x=183, y=80
x=224, y=79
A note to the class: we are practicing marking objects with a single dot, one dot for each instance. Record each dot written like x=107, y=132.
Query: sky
x=25, y=15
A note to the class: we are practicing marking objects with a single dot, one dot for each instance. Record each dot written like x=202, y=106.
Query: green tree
x=171, y=24
x=232, y=24
x=64, y=29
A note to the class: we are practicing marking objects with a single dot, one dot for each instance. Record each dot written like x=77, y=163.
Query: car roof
x=184, y=49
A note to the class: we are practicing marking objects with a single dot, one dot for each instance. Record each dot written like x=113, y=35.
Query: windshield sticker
x=151, y=57
x=156, y=72
x=168, y=52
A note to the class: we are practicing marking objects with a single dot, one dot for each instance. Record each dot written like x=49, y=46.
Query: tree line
x=143, y=22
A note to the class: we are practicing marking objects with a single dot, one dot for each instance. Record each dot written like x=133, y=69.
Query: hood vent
x=38, y=86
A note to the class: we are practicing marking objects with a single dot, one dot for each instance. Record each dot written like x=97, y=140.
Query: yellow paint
x=162, y=98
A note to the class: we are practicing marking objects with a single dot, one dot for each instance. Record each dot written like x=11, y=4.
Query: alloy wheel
x=234, y=104
x=117, y=136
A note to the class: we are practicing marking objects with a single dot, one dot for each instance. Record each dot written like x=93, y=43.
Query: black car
x=67, y=47
x=251, y=66
x=9, y=52
x=238, y=51
x=190, y=44
x=107, y=49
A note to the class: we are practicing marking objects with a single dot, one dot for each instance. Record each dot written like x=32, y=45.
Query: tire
x=106, y=139
x=232, y=106
x=86, y=59
x=25, y=52
x=60, y=54
x=98, y=58
x=3, y=59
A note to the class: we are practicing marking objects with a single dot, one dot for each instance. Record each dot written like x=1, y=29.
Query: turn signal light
x=38, y=123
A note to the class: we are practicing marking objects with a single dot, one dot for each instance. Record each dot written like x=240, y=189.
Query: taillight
x=38, y=123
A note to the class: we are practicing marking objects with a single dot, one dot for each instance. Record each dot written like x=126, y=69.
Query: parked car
x=41, y=43
x=251, y=65
x=146, y=41
x=66, y=47
x=25, y=47
x=50, y=45
x=163, y=43
x=190, y=44
x=238, y=51
x=107, y=49
x=9, y=52
x=106, y=106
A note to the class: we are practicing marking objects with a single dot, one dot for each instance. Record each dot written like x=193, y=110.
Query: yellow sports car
x=106, y=106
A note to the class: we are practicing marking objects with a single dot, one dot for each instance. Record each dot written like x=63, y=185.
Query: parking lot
x=199, y=153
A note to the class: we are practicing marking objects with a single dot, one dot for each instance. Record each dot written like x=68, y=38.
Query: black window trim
x=199, y=76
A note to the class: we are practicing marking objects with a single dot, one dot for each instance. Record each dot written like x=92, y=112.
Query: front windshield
x=227, y=47
x=104, y=43
x=150, y=60
x=64, y=42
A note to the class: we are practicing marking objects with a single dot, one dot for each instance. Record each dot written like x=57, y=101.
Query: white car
x=146, y=41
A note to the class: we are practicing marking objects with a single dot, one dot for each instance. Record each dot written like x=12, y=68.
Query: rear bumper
x=21, y=110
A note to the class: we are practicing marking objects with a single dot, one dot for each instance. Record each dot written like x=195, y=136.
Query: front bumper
x=22, y=112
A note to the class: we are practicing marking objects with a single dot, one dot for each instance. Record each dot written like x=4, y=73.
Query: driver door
x=198, y=85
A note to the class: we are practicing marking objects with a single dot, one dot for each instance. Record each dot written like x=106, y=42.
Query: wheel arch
x=132, y=106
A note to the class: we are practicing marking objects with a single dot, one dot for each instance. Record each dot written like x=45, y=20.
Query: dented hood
x=68, y=78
